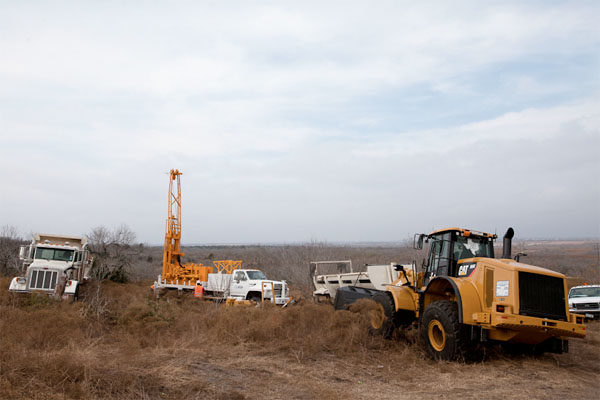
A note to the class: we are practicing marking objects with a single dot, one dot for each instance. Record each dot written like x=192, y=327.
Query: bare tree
x=114, y=251
x=10, y=240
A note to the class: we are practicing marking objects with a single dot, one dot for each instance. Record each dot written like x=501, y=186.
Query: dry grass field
x=118, y=341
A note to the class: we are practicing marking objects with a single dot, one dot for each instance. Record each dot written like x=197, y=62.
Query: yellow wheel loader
x=464, y=296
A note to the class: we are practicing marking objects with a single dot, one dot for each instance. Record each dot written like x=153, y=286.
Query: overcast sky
x=298, y=121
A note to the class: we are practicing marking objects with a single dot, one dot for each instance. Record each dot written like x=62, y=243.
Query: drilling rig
x=176, y=275
x=228, y=279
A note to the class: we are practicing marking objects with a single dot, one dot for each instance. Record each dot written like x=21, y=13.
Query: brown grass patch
x=120, y=342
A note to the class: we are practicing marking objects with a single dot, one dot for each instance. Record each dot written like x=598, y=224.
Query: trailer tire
x=441, y=332
x=384, y=325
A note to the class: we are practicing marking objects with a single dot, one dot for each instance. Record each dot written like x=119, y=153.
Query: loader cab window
x=472, y=246
x=449, y=247
x=439, y=255
x=469, y=247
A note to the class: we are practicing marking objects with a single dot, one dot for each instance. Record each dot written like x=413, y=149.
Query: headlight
x=570, y=305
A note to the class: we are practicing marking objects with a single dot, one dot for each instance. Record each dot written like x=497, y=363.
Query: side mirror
x=418, y=241
x=519, y=255
x=25, y=252
x=399, y=267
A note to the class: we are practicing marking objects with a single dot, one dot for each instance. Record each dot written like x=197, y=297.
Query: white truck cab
x=252, y=284
x=53, y=264
x=585, y=300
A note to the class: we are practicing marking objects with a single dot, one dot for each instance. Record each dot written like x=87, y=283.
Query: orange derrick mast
x=173, y=271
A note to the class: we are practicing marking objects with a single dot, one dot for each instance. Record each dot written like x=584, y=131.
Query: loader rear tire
x=384, y=325
x=441, y=332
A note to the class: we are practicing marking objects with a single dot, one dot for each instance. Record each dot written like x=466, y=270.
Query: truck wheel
x=441, y=331
x=255, y=297
x=384, y=324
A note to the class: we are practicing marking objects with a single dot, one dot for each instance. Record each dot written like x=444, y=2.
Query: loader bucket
x=347, y=295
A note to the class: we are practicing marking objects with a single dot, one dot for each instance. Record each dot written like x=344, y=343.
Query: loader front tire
x=441, y=332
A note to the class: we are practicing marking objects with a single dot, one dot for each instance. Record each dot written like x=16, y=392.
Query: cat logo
x=466, y=269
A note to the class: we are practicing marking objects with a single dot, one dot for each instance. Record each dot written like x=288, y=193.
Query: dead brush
x=95, y=303
x=119, y=341
x=303, y=332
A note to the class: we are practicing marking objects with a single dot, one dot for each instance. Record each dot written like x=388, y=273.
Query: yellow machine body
x=487, y=292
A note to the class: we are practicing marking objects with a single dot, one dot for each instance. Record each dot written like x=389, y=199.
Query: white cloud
x=351, y=46
x=289, y=118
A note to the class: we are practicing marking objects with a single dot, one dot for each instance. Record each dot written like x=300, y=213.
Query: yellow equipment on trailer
x=227, y=266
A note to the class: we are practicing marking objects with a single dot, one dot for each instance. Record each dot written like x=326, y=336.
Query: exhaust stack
x=507, y=244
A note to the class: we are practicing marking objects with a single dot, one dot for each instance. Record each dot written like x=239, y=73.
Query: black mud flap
x=347, y=295
x=555, y=345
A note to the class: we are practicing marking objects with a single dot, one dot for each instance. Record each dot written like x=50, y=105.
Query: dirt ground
x=118, y=341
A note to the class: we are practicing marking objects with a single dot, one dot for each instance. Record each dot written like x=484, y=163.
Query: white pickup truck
x=585, y=300
x=246, y=284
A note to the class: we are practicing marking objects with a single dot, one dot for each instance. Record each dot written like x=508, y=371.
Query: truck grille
x=586, y=306
x=277, y=290
x=541, y=296
x=41, y=279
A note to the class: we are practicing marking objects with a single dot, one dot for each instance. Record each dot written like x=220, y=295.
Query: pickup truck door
x=238, y=284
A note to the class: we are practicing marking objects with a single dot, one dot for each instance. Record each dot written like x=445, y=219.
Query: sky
x=337, y=121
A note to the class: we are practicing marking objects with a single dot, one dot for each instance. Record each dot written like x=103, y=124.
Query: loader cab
x=448, y=246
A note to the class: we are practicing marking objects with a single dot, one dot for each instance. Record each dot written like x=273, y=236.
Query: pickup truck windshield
x=256, y=275
x=43, y=253
x=585, y=292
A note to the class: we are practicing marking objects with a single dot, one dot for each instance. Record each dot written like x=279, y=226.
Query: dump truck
x=463, y=296
x=54, y=265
